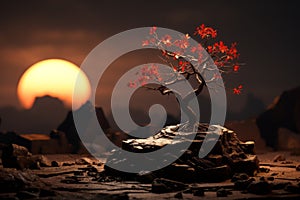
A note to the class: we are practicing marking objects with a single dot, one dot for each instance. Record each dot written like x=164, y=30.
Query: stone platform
x=228, y=156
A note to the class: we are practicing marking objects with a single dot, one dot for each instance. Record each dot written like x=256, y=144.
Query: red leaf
x=238, y=90
x=145, y=43
x=236, y=68
x=132, y=84
x=167, y=40
x=152, y=30
x=205, y=32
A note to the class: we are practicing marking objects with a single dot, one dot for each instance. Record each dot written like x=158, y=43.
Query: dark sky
x=267, y=33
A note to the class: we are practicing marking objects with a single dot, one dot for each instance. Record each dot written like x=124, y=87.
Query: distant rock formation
x=46, y=113
x=283, y=113
x=68, y=127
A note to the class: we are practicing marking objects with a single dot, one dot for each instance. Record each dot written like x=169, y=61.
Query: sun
x=54, y=77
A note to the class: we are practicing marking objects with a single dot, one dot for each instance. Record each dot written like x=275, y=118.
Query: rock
x=44, y=162
x=239, y=176
x=145, y=177
x=30, y=162
x=279, y=157
x=293, y=188
x=68, y=164
x=89, y=168
x=274, y=174
x=220, y=173
x=228, y=156
x=178, y=172
x=243, y=184
x=161, y=185
x=248, y=147
x=262, y=178
x=178, y=195
x=248, y=165
x=241, y=181
x=83, y=161
x=259, y=187
x=298, y=168
x=92, y=174
x=279, y=185
x=264, y=169
x=283, y=113
x=198, y=192
x=68, y=127
x=55, y=164
x=16, y=150
x=15, y=156
x=223, y=192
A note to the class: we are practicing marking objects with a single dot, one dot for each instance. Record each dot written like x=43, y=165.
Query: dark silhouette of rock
x=68, y=127
x=9, y=137
x=53, y=143
x=261, y=187
x=283, y=113
x=46, y=113
x=15, y=156
x=63, y=140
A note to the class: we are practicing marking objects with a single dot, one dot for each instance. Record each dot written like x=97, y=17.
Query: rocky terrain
x=83, y=177
x=228, y=156
x=231, y=170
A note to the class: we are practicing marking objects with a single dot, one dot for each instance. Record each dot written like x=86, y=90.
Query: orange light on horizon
x=56, y=78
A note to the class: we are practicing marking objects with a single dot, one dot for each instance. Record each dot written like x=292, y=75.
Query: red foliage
x=232, y=53
x=238, y=89
x=225, y=57
x=221, y=47
x=205, y=32
x=183, y=43
x=236, y=68
x=166, y=40
x=145, y=43
x=152, y=30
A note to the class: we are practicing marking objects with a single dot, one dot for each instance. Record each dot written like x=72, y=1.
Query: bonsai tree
x=225, y=61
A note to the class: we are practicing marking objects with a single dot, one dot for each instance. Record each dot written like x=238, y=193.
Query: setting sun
x=54, y=77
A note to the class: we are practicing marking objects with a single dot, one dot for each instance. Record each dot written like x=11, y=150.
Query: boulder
x=15, y=156
x=283, y=113
x=228, y=156
x=68, y=127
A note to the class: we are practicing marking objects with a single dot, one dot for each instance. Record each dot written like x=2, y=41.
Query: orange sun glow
x=54, y=77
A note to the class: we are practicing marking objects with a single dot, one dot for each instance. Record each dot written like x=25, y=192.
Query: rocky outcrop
x=228, y=156
x=15, y=156
x=46, y=113
x=283, y=113
x=68, y=127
